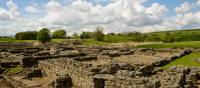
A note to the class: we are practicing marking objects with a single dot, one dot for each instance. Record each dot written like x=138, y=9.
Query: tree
x=59, y=34
x=112, y=34
x=29, y=35
x=45, y=29
x=98, y=34
x=85, y=35
x=44, y=35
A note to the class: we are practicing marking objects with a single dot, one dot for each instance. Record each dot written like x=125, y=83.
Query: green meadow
x=188, y=61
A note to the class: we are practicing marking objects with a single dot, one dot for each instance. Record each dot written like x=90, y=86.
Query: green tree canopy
x=86, y=35
x=45, y=29
x=44, y=35
x=59, y=34
x=29, y=35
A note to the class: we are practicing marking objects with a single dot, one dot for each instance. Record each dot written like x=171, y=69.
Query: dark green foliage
x=59, y=34
x=111, y=34
x=43, y=35
x=29, y=35
x=45, y=29
x=98, y=34
x=164, y=36
x=86, y=35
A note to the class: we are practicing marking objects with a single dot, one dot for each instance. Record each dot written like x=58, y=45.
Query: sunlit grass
x=58, y=40
x=93, y=42
x=187, y=44
x=188, y=61
x=14, y=70
x=14, y=40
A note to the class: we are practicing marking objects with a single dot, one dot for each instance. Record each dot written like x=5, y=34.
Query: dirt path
x=4, y=84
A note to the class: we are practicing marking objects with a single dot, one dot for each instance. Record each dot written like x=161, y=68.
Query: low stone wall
x=6, y=45
x=110, y=81
x=20, y=84
x=84, y=76
x=14, y=83
x=148, y=69
x=80, y=76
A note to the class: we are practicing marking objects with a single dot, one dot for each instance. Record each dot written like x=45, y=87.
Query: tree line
x=97, y=34
x=126, y=36
x=43, y=35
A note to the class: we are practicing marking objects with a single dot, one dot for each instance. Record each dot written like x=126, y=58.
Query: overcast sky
x=86, y=15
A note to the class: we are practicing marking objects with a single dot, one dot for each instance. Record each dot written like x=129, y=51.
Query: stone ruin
x=81, y=66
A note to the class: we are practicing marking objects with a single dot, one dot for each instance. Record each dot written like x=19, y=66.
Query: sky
x=116, y=16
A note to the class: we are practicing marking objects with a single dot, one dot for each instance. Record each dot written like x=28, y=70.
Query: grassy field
x=84, y=41
x=13, y=40
x=14, y=70
x=58, y=40
x=93, y=42
x=188, y=60
x=118, y=39
x=187, y=44
x=179, y=35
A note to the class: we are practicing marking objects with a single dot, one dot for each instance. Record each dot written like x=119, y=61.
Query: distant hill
x=179, y=35
x=164, y=36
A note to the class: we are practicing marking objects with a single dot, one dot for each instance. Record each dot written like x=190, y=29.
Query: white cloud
x=13, y=9
x=184, y=8
x=31, y=9
x=188, y=19
x=116, y=16
x=82, y=15
x=198, y=2
x=11, y=20
x=57, y=15
x=10, y=14
x=4, y=15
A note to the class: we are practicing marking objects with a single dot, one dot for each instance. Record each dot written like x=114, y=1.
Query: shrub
x=98, y=34
x=43, y=35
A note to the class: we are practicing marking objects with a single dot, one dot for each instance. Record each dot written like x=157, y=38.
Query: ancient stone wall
x=111, y=81
x=149, y=68
x=83, y=76
x=21, y=84
x=79, y=75
x=14, y=83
